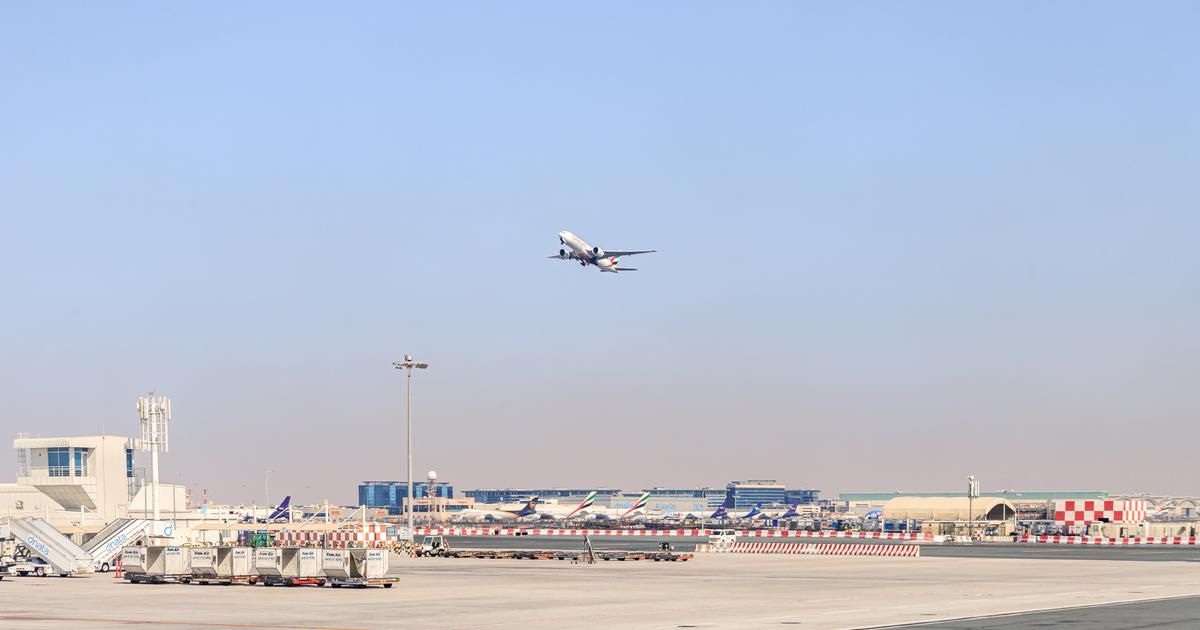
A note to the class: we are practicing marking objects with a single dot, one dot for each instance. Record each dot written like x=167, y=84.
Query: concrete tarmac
x=1178, y=614
x=1173, y=553
x=712, y=591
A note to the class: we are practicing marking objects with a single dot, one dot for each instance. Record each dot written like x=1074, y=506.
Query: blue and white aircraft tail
x=753, y=513
x=283, y=511
x=529, y=510
x=722, y=512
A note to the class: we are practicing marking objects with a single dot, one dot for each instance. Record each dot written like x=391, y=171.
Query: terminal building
x=391, y=495
x=604, y=496
x=755, y=492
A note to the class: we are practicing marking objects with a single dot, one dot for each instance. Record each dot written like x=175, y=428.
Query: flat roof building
x=754, y=492
x=514, y=495
x=392, y=494
x=84, y=475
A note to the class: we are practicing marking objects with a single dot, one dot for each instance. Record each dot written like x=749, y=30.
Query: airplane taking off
x=576, y=248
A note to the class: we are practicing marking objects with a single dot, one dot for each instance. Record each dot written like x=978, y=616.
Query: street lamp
x=267, y=489
x=408, y=364
x=972, y=494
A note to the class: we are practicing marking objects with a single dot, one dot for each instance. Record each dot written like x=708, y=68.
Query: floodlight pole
x=408, y=364
x=972, y=492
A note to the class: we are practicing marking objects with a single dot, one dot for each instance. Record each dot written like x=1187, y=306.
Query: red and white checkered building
x=1088, y=511
x=374, y=535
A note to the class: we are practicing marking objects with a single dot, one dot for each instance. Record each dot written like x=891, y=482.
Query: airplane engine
x=599, y=253
x=562, y=252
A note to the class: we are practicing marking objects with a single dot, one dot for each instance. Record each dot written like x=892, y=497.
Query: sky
x=899, y=243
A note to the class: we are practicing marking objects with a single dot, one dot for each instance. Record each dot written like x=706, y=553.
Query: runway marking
x=160, y=622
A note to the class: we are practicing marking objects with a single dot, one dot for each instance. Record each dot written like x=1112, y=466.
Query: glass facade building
x=753, y=492
x=514, y=495
x=391, y=494
x=802, y=496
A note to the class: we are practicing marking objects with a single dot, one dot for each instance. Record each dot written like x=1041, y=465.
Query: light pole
x=972, y=494
x=408, y=364
x=267, y=490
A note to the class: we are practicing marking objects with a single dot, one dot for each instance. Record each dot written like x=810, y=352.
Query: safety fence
x=750, y=533
x=1093, y=540
x=815, y=549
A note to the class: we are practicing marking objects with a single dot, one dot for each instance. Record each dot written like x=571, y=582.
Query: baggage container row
x=288, y=566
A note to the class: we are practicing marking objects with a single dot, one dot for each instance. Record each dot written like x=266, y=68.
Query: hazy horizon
x=898, y=244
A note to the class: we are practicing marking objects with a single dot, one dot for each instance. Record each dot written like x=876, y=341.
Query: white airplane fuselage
x=585, y=253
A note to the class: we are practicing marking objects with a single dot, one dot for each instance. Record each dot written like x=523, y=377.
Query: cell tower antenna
x=155, y=415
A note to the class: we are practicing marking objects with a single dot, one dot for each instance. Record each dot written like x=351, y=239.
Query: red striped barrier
x=819, y=549
x=751, y=533
x=1093, y=540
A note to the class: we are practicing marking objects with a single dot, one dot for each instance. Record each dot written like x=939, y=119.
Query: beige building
x=88, y=478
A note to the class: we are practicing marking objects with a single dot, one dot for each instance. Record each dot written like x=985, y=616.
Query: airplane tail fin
x=587, y=503
x=284, y=509
x=638, y=505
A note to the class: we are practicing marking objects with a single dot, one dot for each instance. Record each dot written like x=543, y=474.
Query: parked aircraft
x=501, y=514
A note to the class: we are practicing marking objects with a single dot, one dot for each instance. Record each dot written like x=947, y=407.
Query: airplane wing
x=567, y=256
x=627, y=252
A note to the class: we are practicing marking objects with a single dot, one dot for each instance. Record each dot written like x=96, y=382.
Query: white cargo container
x=290, y=566
x=308, y=564
x=134, y=561
x=335, y=563
x=357, y=567
x=268, y=562
x=204, y=564
x=144, y=564
x=175, y=564
x=237, y=564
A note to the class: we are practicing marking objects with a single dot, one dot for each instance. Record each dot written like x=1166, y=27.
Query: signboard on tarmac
x=405, y=534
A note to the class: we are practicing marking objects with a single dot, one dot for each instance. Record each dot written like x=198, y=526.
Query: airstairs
x=106, y=545
x=39, y=539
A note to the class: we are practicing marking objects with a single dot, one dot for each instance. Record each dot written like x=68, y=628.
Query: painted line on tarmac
x=1018, y=613
x=160, y=622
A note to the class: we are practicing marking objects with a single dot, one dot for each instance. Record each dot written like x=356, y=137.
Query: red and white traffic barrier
x=1092, y=540
x=751, y=533
x=816, y=549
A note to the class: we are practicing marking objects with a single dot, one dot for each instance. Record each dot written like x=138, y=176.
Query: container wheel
x=387, y=585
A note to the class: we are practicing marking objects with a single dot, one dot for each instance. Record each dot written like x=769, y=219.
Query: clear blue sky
x=899, y=242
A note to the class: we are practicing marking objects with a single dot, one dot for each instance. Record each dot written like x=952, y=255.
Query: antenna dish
x=431, y=475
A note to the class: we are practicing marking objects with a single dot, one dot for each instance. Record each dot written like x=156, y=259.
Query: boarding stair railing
x=40, y=539
x=105, y=547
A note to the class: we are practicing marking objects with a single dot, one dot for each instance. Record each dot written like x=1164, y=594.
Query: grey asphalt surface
x=1171, y=613
x=1031, y=551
